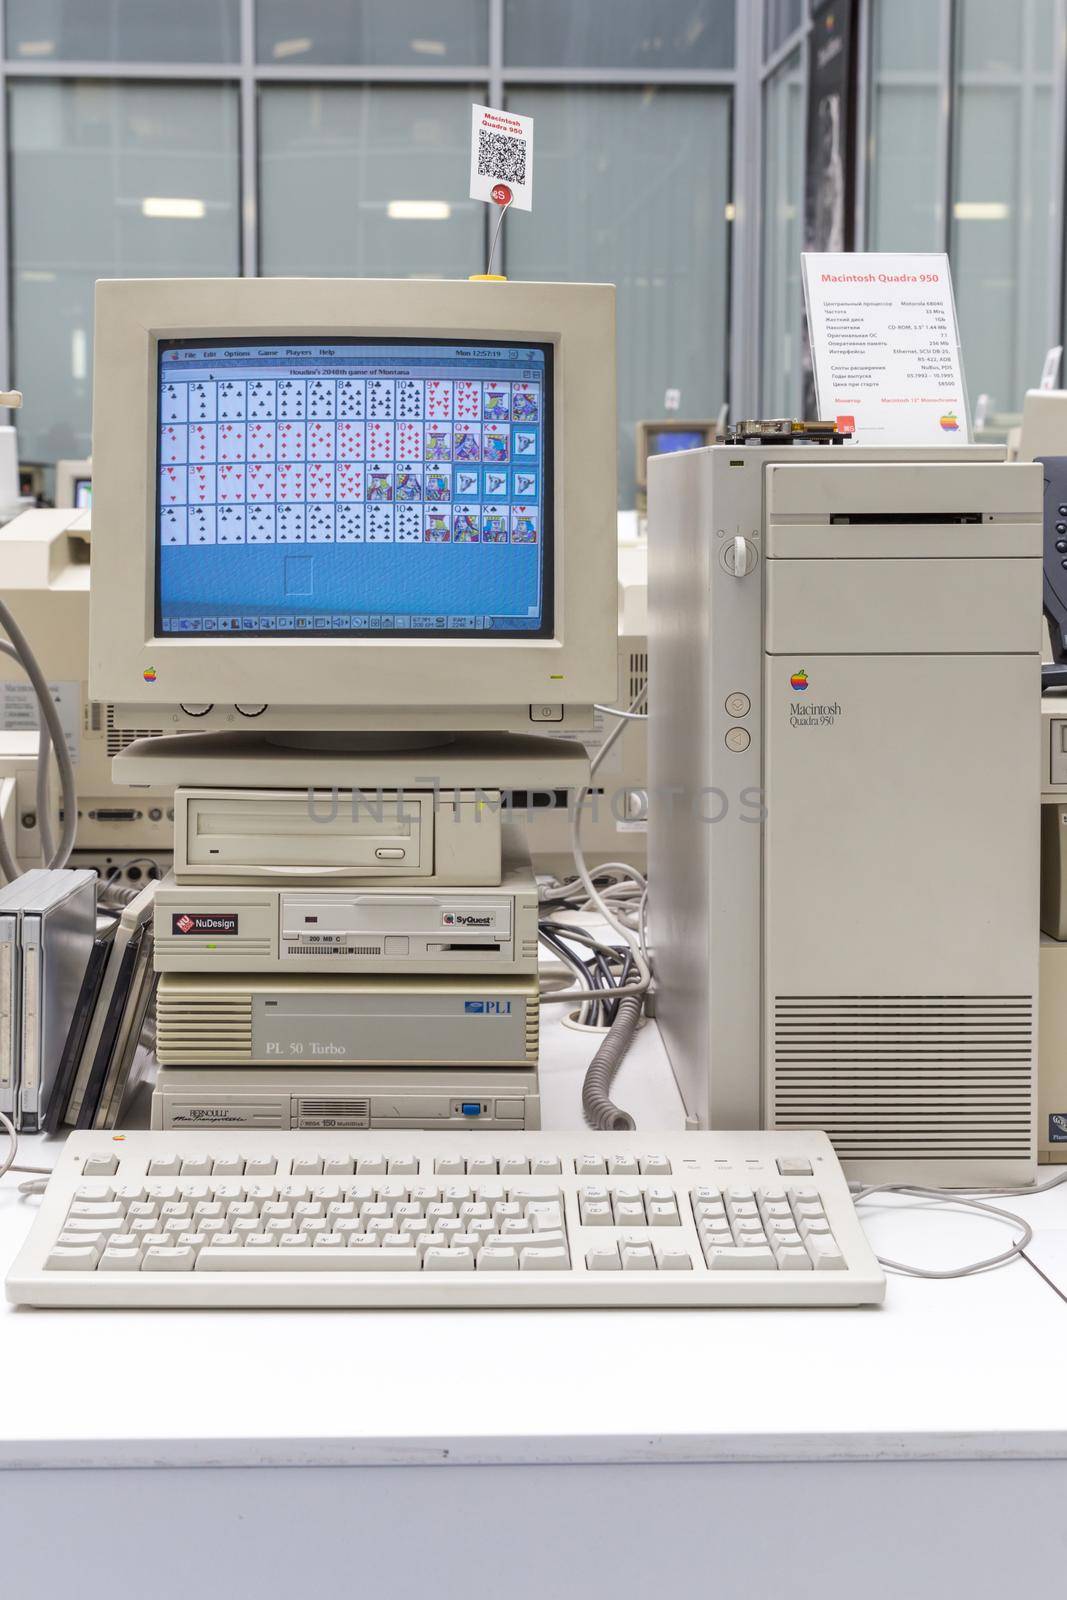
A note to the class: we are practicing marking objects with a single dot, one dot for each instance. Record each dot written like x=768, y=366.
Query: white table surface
x=966, y=1369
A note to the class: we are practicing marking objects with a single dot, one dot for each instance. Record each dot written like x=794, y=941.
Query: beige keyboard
x=218, y=1218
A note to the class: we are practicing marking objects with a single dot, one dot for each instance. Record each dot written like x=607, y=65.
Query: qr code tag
x=501, y=156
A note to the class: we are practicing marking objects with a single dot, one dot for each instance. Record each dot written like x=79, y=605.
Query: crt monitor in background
x=662, y=437
x=74, y=484
x=662, y=441
x=354, y=486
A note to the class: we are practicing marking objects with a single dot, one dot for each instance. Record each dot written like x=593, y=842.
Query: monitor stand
x=341, y=742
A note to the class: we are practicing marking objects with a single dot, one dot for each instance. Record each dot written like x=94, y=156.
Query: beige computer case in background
x=44, y=578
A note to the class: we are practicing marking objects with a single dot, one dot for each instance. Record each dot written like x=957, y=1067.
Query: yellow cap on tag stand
x=486, y=277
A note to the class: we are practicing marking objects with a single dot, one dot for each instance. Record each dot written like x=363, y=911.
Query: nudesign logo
x=222, y=922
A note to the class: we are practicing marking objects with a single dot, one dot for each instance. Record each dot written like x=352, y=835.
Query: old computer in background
x=74, y=484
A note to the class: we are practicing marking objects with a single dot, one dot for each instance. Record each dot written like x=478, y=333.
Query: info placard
x=885, y=347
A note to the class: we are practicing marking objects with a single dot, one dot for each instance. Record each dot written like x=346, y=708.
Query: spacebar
x=281, y=1259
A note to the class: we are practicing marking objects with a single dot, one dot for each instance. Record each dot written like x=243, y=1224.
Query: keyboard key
x=545, y=1166
x=637, y=1257
x=539, y=1259
x=168, y=1258
x=498, y=1258
x=164, y=1165
x=794, y=1167
x=260, y=1166
x=445, y=1165
x=591, y=1165
x=513, y=1166
x=790, y=1258
x=603, y=1258
x=307, y=1167
x=740, y=1258
x=338, y=1166
x=102, y=1166
x=670, y=1258
x=283, y=1259
x=196, y=1166
x=625, y=1164
x=228, y=1166
x=440, y=1259
x=370, y=1165
x=73, y=1258
x=654, y=1166
x=114, y=1260
x=824, y=1252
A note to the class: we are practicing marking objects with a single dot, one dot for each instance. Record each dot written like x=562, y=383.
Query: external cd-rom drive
x=343, y=1097
x=47, y=928
x=225, y=928
x=356, y=1021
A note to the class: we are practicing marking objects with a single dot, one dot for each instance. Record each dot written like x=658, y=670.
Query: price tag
x=502, y=158
x=885, y=347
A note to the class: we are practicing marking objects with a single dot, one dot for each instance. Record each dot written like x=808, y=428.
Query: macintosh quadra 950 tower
x=843, y=756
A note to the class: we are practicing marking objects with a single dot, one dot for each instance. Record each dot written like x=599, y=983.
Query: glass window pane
x=781, y=18
x=905, y=208
x=368, y=181
x=644, y=208
x=123, y=30
x=428, y=33
x=620, y=33
x=1002, y=201
x=108, y=180
x=783, y=217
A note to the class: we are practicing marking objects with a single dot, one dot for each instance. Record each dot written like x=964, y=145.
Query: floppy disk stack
x=371, y=967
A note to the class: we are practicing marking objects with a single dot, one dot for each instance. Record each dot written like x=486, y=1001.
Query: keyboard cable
x=35, y=1185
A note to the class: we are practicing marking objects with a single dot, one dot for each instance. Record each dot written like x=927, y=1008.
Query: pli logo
x=799, y=679
x=1057, y=1128
x=487, y=1008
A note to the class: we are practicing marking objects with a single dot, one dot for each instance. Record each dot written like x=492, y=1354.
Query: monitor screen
x=661, y=441
x=354, y=486
x=83, y=494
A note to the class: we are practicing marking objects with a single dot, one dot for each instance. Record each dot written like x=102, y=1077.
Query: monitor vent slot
x=119, y=738
x=94, y=717
x=638, y=674
x=903, y=1076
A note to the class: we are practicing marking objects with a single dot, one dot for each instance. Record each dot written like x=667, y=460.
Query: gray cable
x=862, y=1192
x=48, y=714
x=46, y=841
x=35, y=1186
x=601, y=1112
x=8, y=865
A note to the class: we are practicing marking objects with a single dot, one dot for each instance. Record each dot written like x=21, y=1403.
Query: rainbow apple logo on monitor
x=799, y=679
x=949, y=423
x=149, y=674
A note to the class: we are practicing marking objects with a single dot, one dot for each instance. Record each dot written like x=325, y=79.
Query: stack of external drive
x=47, y=931
x=327, y=970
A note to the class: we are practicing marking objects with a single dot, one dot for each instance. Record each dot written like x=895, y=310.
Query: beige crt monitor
x=343, y=504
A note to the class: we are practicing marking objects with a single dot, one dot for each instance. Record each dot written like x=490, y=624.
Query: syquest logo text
x=672, y=801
